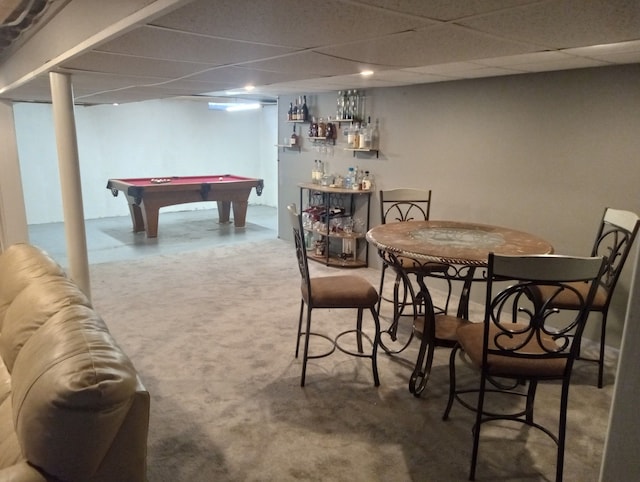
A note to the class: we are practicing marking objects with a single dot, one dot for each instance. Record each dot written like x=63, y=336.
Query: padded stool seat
x=346, y=291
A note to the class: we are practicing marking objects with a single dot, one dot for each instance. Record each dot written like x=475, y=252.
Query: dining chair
x=524, y=339
x=333, y=292
x=401, y=205
x=614, y=240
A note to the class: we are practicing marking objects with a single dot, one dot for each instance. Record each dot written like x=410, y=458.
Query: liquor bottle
x=305, y=109
x=294, y=137
x=295, y=111
x=345, y=104
x=375, y=136
x=329, y=130
x=365, y=136
x=351, y=137
x=313, y=129
x=290, y=113
x=322, y=128
x=367, y=181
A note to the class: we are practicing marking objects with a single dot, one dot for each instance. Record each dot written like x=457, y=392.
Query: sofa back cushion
x=19, y=265
x=31, y=308
x=72, y=391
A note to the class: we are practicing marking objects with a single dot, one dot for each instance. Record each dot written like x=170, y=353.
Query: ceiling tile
x=162, y=44
x=240, y=77
x=565, y=23
x=291, y=23
x=446, y=10
x=313, y=63
x=126, y=65
x=442, y=44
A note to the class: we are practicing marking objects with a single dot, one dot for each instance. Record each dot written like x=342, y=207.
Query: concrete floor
x=112, y=239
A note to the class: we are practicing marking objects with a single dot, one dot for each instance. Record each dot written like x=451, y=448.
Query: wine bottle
x=290, y=113
x=305, y=109
x=295, y=111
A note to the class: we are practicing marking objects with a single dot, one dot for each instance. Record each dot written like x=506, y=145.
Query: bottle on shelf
x=354, y=105
x=293, y=141
x=345, y=104
x=313, y=127
x=329, y=130
x=316, y=174
x=375, y=136
x=367, y=181
x=350, y=179
x=295, y=111
x=357, y=182
x=365, y=135
x=322, y=128
x=305, y=109
x=352, y=137
x=290, y=112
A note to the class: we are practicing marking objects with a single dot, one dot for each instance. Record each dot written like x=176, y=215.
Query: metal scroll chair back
x=614, y=239
x=402, y=205
x=333, y=292
x=525, y=338
x=300, y=246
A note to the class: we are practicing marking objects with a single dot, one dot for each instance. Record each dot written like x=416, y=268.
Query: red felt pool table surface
x=145, y=196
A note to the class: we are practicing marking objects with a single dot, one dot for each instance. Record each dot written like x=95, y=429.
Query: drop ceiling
x=135, y=50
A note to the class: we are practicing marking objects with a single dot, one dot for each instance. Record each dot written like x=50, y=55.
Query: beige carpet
x=212, y=333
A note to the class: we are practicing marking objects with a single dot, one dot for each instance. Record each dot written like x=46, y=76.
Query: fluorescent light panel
x=233, y=106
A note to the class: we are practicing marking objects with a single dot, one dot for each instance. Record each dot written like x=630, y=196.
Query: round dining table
x=451, y=250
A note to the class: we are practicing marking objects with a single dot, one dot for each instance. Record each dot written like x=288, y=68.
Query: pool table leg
x=239, y=213
x=137, y=216
x=224, y=209
x=150, y=215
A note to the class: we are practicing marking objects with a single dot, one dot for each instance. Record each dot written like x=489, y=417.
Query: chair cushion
x=446, y=328
x=410, y=265
x=347, y=291
x=566, y=299
x=470, y=338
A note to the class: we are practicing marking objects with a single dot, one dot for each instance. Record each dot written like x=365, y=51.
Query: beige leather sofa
x=72, y=407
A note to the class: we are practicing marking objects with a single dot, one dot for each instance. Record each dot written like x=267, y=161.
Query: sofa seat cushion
x=72, y=388
x=31, y=308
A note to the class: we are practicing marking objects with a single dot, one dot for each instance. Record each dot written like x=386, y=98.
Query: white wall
x=543, y=153
x=145, y=139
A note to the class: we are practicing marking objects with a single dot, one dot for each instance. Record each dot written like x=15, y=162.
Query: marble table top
x=454, y=242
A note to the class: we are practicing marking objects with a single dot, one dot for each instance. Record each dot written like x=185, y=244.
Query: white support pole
x=619, y=460
x=70, y=183
x=13, y=218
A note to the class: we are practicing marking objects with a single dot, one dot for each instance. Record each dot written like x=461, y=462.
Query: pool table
x=146, y=196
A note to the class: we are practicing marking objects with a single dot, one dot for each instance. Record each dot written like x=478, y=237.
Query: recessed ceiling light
x=249, y=88
x=366, y=73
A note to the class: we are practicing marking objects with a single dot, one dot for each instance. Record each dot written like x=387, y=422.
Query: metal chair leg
x=299, y=327
x=306, y=347
x=374, y=351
